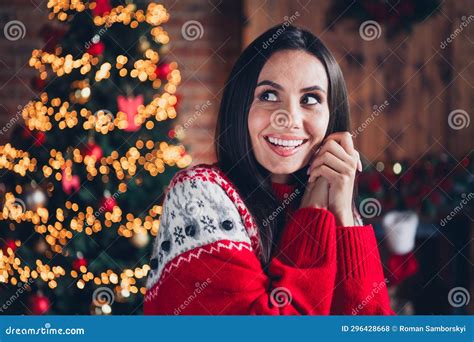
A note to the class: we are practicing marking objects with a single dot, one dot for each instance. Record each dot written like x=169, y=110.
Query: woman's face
x=289, y=115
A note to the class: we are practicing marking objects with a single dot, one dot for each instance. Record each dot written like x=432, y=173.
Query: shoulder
x=201, y=173
x=197, y=211
x=210, y=179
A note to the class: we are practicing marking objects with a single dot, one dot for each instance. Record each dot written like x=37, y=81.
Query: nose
x=296, y=116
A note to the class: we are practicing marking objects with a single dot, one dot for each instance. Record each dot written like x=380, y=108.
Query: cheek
x=318, y=127
x=258, y=121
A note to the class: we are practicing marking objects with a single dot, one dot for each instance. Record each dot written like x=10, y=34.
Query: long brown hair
x=233, y=145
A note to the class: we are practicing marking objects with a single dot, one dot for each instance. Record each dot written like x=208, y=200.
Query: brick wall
x=204, y=62
x=15, y=74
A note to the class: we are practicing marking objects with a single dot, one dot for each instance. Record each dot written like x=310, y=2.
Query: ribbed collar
x=280, y=190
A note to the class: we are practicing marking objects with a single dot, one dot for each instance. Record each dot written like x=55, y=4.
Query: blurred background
x=143, y=103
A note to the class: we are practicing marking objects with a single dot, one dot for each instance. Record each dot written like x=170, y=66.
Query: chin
x=284, y=168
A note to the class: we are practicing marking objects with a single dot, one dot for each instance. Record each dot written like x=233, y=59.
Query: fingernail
x=308, y=171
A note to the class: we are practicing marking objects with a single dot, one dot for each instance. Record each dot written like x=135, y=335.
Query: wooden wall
x=421, y=82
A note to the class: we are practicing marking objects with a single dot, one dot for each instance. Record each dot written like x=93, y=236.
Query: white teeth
x=286, y=143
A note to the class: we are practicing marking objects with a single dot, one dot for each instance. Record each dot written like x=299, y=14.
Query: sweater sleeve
x=361, y=288
x=203, y=262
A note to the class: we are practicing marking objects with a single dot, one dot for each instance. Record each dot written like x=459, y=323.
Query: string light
x=153, y=160
x=16, y=160
x=39, y=114
x=58, y=227
x=126, y=281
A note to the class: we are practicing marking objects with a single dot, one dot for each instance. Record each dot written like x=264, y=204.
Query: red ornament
x=435, y=197
x=374, y=184
x=108, y=203
x=171, y=133
x=40, y=138
x=102, y=7
x=162, y=70
x=38, y=304
x=70, y=183
x=26, y=133
x=9, y=243
x=402, y=267
x=38, y=83
x=129, y=105
x=51, y=36
x=78, y=263
x=94, y=150
x=96, y=48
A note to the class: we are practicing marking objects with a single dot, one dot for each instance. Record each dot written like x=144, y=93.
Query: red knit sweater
x=206, y=258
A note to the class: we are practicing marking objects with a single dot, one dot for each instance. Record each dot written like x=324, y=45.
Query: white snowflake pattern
x=208, y=224
x=178, y=234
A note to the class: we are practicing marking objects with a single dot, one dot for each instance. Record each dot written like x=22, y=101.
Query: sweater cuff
x=358, y=254
x=308, y=239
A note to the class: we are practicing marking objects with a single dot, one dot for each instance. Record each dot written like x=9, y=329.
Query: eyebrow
x=277, y=86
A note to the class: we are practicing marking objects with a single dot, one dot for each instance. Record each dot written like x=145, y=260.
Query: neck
x=281, y=178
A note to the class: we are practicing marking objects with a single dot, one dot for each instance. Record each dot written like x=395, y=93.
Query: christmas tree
x=85, y=171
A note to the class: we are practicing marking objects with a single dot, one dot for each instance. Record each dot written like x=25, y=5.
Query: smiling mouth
x=289, y=143
x=285, y=147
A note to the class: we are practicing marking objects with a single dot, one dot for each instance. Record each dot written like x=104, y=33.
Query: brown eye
x=310, y=99
x=268, y=96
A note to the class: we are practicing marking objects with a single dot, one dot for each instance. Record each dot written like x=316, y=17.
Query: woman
x=269, y=229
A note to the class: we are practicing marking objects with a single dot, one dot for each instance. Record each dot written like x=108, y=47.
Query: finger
x=324, y=171
x=338, y=150
x=334, y=148
x=333, y=162
x=343, y=138
x=359, y=162
x=346, y=141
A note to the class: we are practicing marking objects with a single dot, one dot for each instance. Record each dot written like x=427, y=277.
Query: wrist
x=344, y=218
